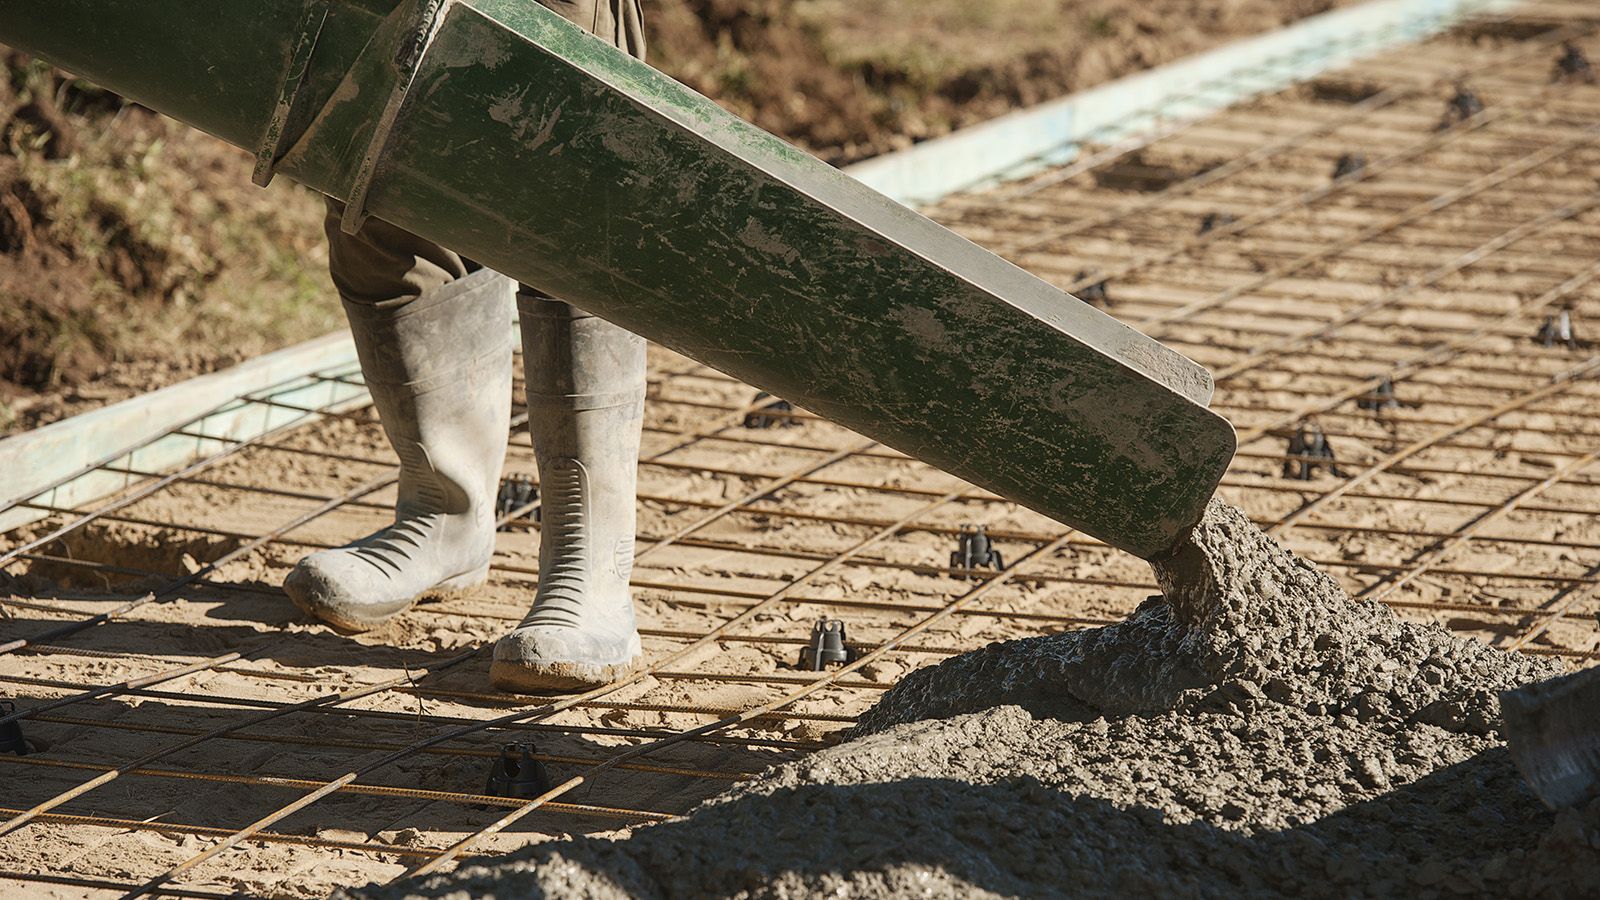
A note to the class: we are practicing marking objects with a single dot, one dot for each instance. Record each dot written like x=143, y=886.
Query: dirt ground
x=849, y=80
x=1472, y=502
x=106, y=207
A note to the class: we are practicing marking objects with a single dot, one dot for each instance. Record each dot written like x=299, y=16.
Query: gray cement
x=1255, y=734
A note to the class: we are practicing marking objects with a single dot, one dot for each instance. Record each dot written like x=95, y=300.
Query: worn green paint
x=531, y=147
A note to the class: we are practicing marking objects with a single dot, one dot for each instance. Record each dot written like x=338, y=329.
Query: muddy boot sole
x=556, y=677
x=463, y=585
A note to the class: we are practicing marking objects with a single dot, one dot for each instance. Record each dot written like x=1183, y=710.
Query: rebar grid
x=1470, y=501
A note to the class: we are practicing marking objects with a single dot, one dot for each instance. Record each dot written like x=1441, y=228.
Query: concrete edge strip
x=45, y=460
x=217, y=405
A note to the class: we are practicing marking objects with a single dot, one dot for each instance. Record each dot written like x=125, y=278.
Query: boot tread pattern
x=564, y=569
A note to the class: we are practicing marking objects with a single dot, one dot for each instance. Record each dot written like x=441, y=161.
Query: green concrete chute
x=500, y=130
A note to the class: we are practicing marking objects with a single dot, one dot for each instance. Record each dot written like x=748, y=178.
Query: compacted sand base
x=1254, y=733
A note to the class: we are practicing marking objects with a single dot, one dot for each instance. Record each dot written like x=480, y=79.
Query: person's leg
x=435, y=347
x=585, y=388
x=619, y=23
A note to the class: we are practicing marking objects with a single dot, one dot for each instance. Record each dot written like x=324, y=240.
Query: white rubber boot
x=586, y=382
x=439, y=371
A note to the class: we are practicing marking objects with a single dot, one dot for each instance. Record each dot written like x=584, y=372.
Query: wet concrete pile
x=1255, y=733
